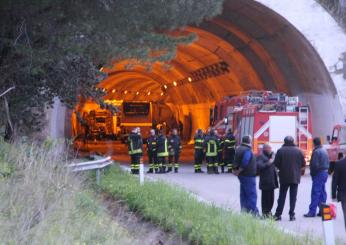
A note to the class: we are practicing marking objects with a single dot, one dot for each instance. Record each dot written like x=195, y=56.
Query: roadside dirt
x=140, y=229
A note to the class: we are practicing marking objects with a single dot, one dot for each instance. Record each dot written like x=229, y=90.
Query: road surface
x=223, y=190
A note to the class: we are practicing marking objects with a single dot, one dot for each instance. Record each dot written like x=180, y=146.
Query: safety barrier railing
x=97, y=165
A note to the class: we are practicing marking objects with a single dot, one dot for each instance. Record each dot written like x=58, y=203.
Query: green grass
x=174, y=209
x=42, y=203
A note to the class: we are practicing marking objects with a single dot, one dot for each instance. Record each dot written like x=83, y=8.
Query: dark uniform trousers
x=282, y=198
x=135, y=161
x=161, y=163
x=229, y=159
x=267, y=201
x=198, y=159
x=173, y=160
x=152, y=157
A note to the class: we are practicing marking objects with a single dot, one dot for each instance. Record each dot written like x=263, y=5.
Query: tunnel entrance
x=247, y=47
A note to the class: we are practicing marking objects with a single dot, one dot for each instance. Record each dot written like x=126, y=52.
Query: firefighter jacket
x=199, y=141
x=174, y=145
x=162, y=146
x=211, y=145
x=135, y=144
x=151, y=143
x=229, y=143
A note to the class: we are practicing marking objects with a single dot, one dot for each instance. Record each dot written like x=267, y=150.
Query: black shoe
x=175, y=170
x=277, y=218
x=309, y=215
x=196, y=171
x=169, y=169
x=150, y=171
x=319, y=214
x=292, y=218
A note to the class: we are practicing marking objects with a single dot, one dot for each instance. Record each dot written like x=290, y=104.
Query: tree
x=54, y=48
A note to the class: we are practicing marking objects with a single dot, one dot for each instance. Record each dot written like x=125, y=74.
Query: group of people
x=159, y=149
x=282, y=170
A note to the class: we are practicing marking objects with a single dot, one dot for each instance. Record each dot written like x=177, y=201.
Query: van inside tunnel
x=247, y=47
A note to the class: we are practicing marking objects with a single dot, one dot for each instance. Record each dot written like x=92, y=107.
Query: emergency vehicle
x=102, y=124
x=266, y=116
x=136, y=114
x=336, y=146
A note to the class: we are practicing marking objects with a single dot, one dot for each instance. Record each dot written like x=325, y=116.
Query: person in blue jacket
x=319, y=165
x=245, y=169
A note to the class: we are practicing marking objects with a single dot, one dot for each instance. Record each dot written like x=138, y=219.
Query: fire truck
x=102, y=124
x=336, y=146
x=136, y=114
x=266, y=116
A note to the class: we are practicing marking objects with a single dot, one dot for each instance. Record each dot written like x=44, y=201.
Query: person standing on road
x=319, y=165
x=339, y=184
x=290, y=162
x=174, y=148
x=229, y=151
x=220, y=152
x=268, y=179
x=135, y=145
x=162, y=151
x=245, y=169
x=199, y=153
x=211, y=145
x=152, y=153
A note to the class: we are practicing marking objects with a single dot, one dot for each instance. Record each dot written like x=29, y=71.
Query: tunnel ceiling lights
x=128, y=92
x=210, y=71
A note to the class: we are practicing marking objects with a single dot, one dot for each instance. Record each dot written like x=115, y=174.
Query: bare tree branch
x=7, y=109
x=8, y=90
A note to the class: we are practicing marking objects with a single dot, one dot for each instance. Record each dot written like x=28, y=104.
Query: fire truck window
x=251, y=125
x=335, y=134
x=135, y=109
x=221, y=112
x=215, y=114
x=342, y=136
x=100, y=119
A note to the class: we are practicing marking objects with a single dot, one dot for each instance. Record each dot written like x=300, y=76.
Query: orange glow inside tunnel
x=260, y=48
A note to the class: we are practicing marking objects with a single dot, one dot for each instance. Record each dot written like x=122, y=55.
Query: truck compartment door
x=279, y=128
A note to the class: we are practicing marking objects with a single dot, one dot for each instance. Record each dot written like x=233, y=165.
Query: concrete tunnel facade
x=261, y=49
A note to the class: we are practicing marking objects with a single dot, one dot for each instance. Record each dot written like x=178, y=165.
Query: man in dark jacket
x=339, y=184
x=268, y=179
x=319, y=165
x=229, y=150
x=211, y=145
x=152, y=154
x=135, y=145
x=162, y=151
x=245, y=169
x=199, y=153
x=220, y=161
x=174, y=148
x=290, y=162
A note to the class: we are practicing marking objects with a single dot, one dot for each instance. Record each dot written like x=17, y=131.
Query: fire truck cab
x=336, y=146
x=266, y=116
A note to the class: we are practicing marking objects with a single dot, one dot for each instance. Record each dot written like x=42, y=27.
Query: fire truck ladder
x=303, y=124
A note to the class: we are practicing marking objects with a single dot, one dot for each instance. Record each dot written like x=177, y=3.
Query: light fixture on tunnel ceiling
x=104, y=90
x=137, y=93
x=125, y=92
x=149, y=93
x=113, y=91
x=162, y=94
x=210, y=71
x=165, y=86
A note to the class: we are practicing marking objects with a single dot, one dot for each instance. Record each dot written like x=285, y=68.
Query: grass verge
x=199, y=223
x=42, y=203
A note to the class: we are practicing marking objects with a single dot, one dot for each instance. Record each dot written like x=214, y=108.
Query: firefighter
x=229, y=150
x=152, y=154
x=162, y=151
x=199, y=153
x=220, y=152
x=211, y=145
x=135, y=145
x=174, y=147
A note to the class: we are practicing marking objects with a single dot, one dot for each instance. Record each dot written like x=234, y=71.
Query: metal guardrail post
x=98, y=176
x=141, y=172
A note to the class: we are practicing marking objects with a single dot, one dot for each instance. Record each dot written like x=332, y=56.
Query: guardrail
x=91, y=165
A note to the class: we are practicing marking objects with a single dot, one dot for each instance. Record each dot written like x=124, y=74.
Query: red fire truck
x=266, y=116
x=337, y=143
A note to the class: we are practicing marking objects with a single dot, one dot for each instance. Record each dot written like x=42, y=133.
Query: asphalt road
x=223, y=190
